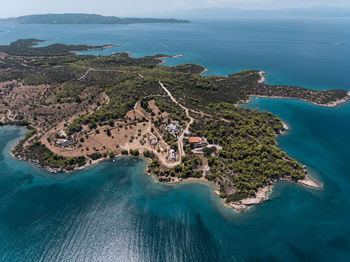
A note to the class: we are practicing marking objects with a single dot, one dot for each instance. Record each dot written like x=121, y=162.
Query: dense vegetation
x=199, y=92
x=24, y=47
x=250, y=158
x=40, y=155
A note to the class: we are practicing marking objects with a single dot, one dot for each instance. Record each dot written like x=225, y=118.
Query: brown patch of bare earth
x=2, y=54
x=128, y=133
x=38, y=104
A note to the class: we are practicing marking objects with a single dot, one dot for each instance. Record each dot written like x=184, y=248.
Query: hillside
x=82, y=19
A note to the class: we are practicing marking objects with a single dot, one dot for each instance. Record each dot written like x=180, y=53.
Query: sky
x=12, y=8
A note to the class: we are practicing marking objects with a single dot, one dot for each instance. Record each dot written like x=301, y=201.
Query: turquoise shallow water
x=113, y=212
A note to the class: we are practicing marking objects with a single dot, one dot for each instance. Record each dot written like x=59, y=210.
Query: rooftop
x=195, y=140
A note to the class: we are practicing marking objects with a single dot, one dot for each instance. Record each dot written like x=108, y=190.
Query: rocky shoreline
x=243, y=205
x=36, y=163
x=167, y=57
x=263, y=193
x=102, y=48
x=204, y=71
x=331, y=104
x=262, y=77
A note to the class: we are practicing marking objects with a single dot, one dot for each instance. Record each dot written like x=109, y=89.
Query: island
x=82, y=109
x=84, y=19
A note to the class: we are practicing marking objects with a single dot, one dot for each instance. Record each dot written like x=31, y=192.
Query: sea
x=115, y=212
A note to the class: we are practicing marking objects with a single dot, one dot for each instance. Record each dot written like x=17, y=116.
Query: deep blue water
x=113, y=212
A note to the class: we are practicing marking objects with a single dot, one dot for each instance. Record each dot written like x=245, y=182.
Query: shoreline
x=285, y=129
x=204, y=71
x=329, y=105
x=262, y=77
x=167, y=57
x=261, y=196
x=100, y=48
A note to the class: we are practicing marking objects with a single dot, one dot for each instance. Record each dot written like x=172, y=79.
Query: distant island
x=234, y=13
x=83, y=19
x=81, y=109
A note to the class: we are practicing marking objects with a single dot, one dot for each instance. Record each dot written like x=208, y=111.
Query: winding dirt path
x=181, y=138
x=162, y=159
x=98, y=70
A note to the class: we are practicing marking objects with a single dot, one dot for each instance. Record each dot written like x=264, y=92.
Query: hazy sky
x=10, y=8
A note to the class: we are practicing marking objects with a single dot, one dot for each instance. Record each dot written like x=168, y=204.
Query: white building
x=174, y=128
x=172, y=155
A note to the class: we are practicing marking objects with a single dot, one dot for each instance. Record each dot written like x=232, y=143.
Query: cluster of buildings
x=174, y=128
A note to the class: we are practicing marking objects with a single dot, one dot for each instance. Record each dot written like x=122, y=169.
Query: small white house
x=174, y=128
x=64, y=143
x=172, y=155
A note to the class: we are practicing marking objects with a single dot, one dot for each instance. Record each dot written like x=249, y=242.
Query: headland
x=82, y=109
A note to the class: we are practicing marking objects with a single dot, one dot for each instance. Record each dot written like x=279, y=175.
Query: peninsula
x=81, y=109
x=83, y=19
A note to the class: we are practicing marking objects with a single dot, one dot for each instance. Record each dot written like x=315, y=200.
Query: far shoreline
x=329, y=105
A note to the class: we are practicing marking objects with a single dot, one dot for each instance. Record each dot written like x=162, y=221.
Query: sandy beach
x=204, y=71
x=262, y=77
x=167, y=57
